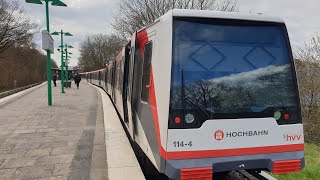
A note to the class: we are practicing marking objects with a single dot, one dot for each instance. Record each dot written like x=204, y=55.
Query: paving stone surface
x=65, y=141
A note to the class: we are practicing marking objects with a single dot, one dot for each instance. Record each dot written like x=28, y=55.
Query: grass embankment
x=311, y=170
x=4, y=89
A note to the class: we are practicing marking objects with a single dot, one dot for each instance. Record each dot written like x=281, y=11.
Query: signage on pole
x=47, y=41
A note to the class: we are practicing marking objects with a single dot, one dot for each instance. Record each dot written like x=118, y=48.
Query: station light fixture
x=55, y=33
x=68, y=34
x=58, y=3
x=53, y=2
x=34, y=1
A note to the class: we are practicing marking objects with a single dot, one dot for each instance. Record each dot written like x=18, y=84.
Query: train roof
x=223, y=15
x=193, y=13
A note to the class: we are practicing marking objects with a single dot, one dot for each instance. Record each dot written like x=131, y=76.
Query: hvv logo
x=294, y=137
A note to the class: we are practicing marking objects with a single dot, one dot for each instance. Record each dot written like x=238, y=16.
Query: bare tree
x=19, y=58
x=308, y=73
x=135, y=14
x=97, y=50
x=15, y=28
x=24, y=64
x=201, y=92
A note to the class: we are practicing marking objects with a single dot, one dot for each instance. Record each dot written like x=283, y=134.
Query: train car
x=202, y=92
x=95, y=77
x=108, y=78
x=84, y=75
x=102, y=75
x=118, y=83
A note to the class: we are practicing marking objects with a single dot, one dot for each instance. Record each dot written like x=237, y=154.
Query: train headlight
x=277, y=115
x=189, y=118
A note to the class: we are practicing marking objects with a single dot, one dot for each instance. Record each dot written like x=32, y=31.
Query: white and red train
x=202, y=92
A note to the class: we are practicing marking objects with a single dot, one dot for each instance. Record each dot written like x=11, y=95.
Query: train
x=203, y=92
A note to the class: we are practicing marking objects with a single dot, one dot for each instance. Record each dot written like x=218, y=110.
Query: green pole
x=66, y=77
x=48, y=59
x=62, y=74
x=67, y=71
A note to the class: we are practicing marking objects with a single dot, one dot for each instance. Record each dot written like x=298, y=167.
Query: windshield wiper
x=197, y=108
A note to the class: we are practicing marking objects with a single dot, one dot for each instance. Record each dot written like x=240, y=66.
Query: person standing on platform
x=77, y=80
x=54, y=79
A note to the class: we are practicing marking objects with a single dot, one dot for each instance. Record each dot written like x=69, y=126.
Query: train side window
x=117, y=76
x=121, y=73
x=147, y=56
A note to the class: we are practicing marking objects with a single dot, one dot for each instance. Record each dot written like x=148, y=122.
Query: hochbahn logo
x=219, y=135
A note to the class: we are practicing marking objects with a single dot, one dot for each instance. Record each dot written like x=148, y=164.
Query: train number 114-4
x=178, y=144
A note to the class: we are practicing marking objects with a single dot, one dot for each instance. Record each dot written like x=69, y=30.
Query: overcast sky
x=85, y=17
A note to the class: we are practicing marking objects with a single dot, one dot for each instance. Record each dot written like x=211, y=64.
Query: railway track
x=243, y=175
x=252, y=175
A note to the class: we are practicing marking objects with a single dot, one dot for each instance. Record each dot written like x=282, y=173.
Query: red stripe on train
x=234, y=152
x=120, y=55
x=153, y=103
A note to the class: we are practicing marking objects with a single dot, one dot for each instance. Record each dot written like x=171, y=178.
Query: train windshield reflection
x=238, y=68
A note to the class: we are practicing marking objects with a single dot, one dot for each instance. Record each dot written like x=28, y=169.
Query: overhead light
x=34, y=1
x=55, y=33
x=58, y=3
x=68, y=34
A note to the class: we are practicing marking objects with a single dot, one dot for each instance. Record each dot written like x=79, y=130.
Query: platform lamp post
x=67, y=68
x=67, y=59
x=62, y=71
x=54, y=3
x=62, y=66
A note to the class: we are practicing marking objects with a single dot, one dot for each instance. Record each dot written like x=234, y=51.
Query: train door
x=125, y=83
x=106, y=79
x=109, y=80
x=142, y=108
x=99, y=78
x=129, y=59
x=113, y=80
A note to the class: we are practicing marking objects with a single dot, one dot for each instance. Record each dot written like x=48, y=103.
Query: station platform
x=79, y=137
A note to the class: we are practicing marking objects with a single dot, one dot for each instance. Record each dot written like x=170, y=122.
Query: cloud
x=251, y=76
x=301, y=17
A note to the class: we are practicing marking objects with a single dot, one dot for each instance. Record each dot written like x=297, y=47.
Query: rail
x=243, y=175
x=13, y=91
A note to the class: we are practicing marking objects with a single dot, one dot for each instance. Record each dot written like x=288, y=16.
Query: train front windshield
x=231, y=70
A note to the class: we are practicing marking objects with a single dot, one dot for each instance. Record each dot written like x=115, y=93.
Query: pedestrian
x=54, y=80
x=77, y=80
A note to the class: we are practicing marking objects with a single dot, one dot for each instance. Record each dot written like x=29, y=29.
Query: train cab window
x=147, y=56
